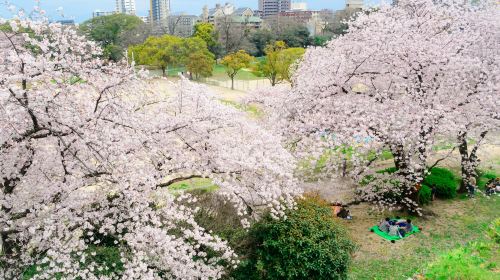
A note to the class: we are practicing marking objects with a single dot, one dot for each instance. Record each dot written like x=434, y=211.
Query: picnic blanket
x=386, y=236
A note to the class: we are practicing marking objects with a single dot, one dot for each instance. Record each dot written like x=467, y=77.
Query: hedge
x=444, y=180
x=308, y=244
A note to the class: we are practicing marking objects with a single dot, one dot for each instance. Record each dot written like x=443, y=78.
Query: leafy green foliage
x=296, y=36
x=425, y=195
x=171, y=51
x=107, y=257
x=389, y=170
x=206, y=31
x=201, y=64
x=234, y=62
x=108, y=31
x=280, y=62
x=261, y=38
x=308, y=244
x=445, y=182
x=320, y=41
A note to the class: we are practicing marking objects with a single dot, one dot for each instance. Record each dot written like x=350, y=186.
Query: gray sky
x=81, y=10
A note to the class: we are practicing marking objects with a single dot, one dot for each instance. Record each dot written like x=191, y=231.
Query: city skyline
x=81, y=10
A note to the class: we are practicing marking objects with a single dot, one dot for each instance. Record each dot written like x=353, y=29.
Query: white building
x=125, y=7
x=298, y=6
x=159, y=12
x=354, y=4
x=99, y=13
x=273, y=7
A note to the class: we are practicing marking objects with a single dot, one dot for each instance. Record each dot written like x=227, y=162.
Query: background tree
x=108, y=31
x=278, y=62
x=296, y=36
x=359, y=92
x=234, y=62
x=269, y=67
x=162, y=52
x=206, y=31
x=233, y=34
x=200, y=64
x=260, y=38
x=289, y=62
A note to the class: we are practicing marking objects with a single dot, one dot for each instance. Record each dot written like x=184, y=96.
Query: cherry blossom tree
x=478, y=114
x=88, y=149
x=395, y=81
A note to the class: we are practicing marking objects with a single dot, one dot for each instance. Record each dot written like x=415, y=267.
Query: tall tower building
x=125, y=7
x=159, y=11
x=354, y=4
x=274, y=7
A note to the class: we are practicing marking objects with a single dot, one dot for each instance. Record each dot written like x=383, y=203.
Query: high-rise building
x=125, y=7
x=354, y=4
x=159, y=11
x=299, y=5
x=273, y=7
x=99, y=13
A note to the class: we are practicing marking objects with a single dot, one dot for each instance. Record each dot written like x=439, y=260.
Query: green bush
x=103, y=256
x=389, y=170
x=308, y=244
x=445, y=182
x=424, y=195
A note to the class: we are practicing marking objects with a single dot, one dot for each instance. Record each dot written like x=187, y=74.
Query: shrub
x=424, y=195
x=389, y=170
x=308, y=244
x=444, y=180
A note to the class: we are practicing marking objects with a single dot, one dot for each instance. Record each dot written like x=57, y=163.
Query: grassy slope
x=205, y=184
x=453, y=224
x=218, y=74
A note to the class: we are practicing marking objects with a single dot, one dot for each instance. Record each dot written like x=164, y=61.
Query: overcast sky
x=81, y=10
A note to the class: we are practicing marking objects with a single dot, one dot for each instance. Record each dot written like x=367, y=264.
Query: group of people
x=493, y=186
x=396, y=227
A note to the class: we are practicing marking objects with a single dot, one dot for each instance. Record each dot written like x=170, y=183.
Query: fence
x=241, y=85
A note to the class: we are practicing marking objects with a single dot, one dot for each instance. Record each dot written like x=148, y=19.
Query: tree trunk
x=164, y=71
x=410, y=186
x=273, y=80
x=469, y=161
x=232, y=83
x=344, y=166
x=464, y=154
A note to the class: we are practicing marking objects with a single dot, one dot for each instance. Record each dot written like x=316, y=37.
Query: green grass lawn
x=453, y=224
x=218, y=74
x=204, y=184
x=243, y=75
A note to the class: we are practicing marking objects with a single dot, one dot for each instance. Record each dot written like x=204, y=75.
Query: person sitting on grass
x=401, y=222
x=405, y=228
x=394, y=231
x=490, y=187
x=384, y=225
